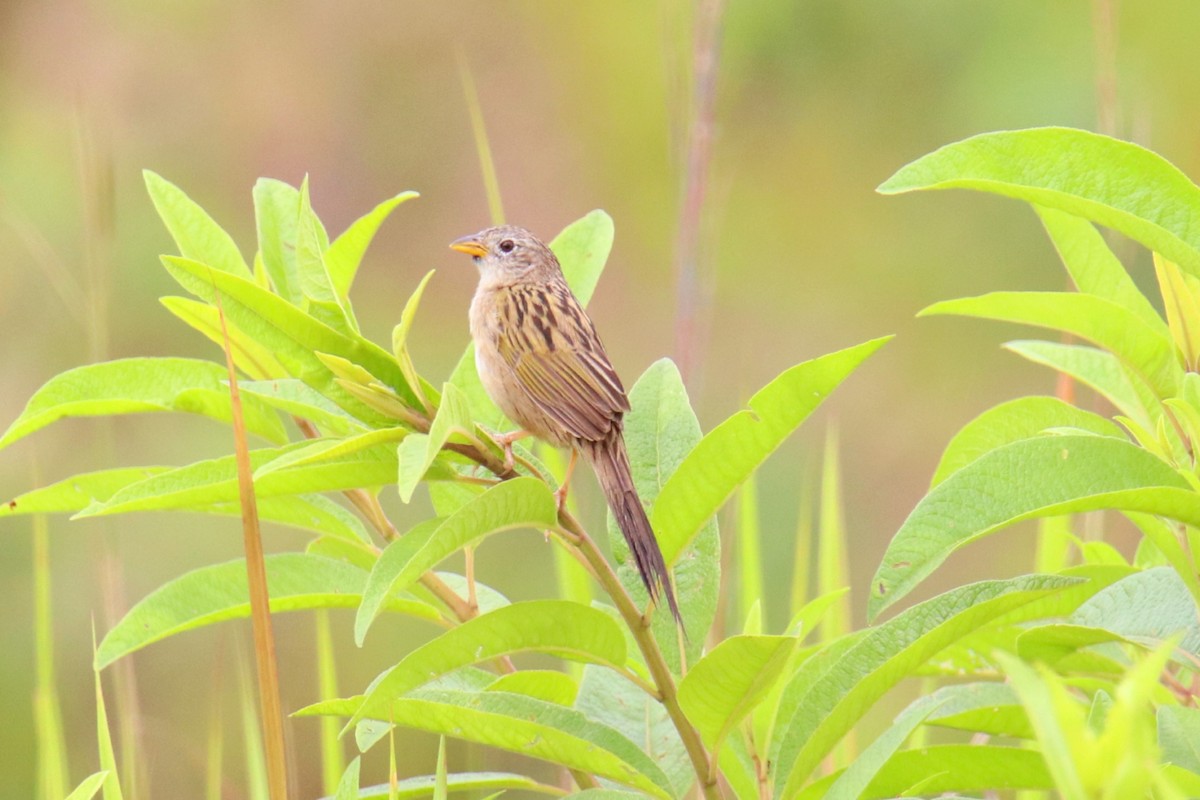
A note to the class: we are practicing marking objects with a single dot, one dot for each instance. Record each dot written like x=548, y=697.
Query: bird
x=542, y=363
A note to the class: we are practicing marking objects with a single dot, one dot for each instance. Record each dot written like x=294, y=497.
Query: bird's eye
x=507, y=246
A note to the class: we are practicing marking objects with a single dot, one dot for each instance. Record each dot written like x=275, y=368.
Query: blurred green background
x=586, y=106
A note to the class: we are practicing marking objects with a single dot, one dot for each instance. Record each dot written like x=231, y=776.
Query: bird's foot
x=505, y=440
x=560, y=497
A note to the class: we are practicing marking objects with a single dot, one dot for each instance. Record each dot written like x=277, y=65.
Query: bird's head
x=506, y=252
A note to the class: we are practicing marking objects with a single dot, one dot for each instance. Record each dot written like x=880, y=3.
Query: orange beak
x=469, y=245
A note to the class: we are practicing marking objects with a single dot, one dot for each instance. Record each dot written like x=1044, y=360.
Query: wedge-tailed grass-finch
x=541, y=361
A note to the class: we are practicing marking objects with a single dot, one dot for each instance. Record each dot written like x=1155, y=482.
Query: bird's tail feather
x=611, y=465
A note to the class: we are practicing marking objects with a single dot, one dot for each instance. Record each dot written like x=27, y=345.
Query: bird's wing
x=560, y=363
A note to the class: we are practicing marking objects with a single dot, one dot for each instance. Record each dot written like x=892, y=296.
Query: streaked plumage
x=541, y=361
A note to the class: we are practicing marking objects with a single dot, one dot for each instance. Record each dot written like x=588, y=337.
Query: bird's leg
x=560, y=494
x=505, y=440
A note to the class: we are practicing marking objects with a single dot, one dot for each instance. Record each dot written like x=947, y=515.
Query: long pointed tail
x=611, y=465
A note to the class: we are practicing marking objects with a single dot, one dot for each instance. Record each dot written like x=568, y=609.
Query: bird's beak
x=469, y=245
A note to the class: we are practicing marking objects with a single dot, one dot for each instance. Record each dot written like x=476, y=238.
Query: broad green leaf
x=137, y=385
x=517, y=503
x=724, y=458
x=400, y=333
x=195, y=233
x=300, y=400
x=937, y=771
x=293, y=336
x=276, y=212
x=453, y=416
x=543, y=684
x=603, y=794
x=1093, y=267
x=855, y=778
x=1182, y=307
x=1147, y=607
x=321, y=451
x=557, y=627
x=1179, y=736
x=418, y=787
x=88, y=787
x=217, y=593
x=522, y=725
x=346, y=252
x=984, y=707
x=660, y=430
x=1057, y=720
x=1098, y=369
x=322, y=301
x=719, y=691
x=1116, y=184
x=1012, y=421
x=310, y=512
x=610, y=699
x=206, y=483
x=1043, y=476
x=1143, y=348
x=347, y=788
x=827, y=696
x=248, y=355
x=1067, y=648
x=582, y=249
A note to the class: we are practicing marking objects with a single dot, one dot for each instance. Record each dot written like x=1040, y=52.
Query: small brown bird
x=541, y=361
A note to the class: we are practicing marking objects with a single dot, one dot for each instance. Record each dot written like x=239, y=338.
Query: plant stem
x=650, y=651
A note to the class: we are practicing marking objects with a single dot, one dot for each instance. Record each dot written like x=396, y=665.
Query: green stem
x=650, y=651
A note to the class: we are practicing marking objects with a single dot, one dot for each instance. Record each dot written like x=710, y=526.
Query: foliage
x=1079, y=682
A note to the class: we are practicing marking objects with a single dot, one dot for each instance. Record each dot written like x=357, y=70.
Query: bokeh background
x=587, y=105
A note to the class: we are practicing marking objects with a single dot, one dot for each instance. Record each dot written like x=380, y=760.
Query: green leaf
x=610, y=699
x=309, y=512
x=276, y=211
x=136, y=385
x=719, y=691
x=1147, y=607
x=418, y=787
x=543, y=684
x=582, y=250
x=298, y=399
x=983, y=707
x=827, y=696
x=248, y=355
x=88, y=787
x=522, y=725
x=1046, y=701
x=1179, y=736
x=217, y=593
x=1043, y=476
x=1145, y=349
x=198, y=486
x=855, y=778
x=1012, y=421
x=1093, y=267
x=717, y=465
x=937, y=771
x=1114, y=183
x=453, y=416
x=196, y=235
x=660, y=430
x=400, y=333
x=517, y=503
x=557, y=627
x=108, y=759
x=346, y=252
x=347, y=788
x=293, y=336
x=1098, y=369
x=322, y=301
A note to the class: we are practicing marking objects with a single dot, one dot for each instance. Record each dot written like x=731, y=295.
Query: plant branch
x=638, y=625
